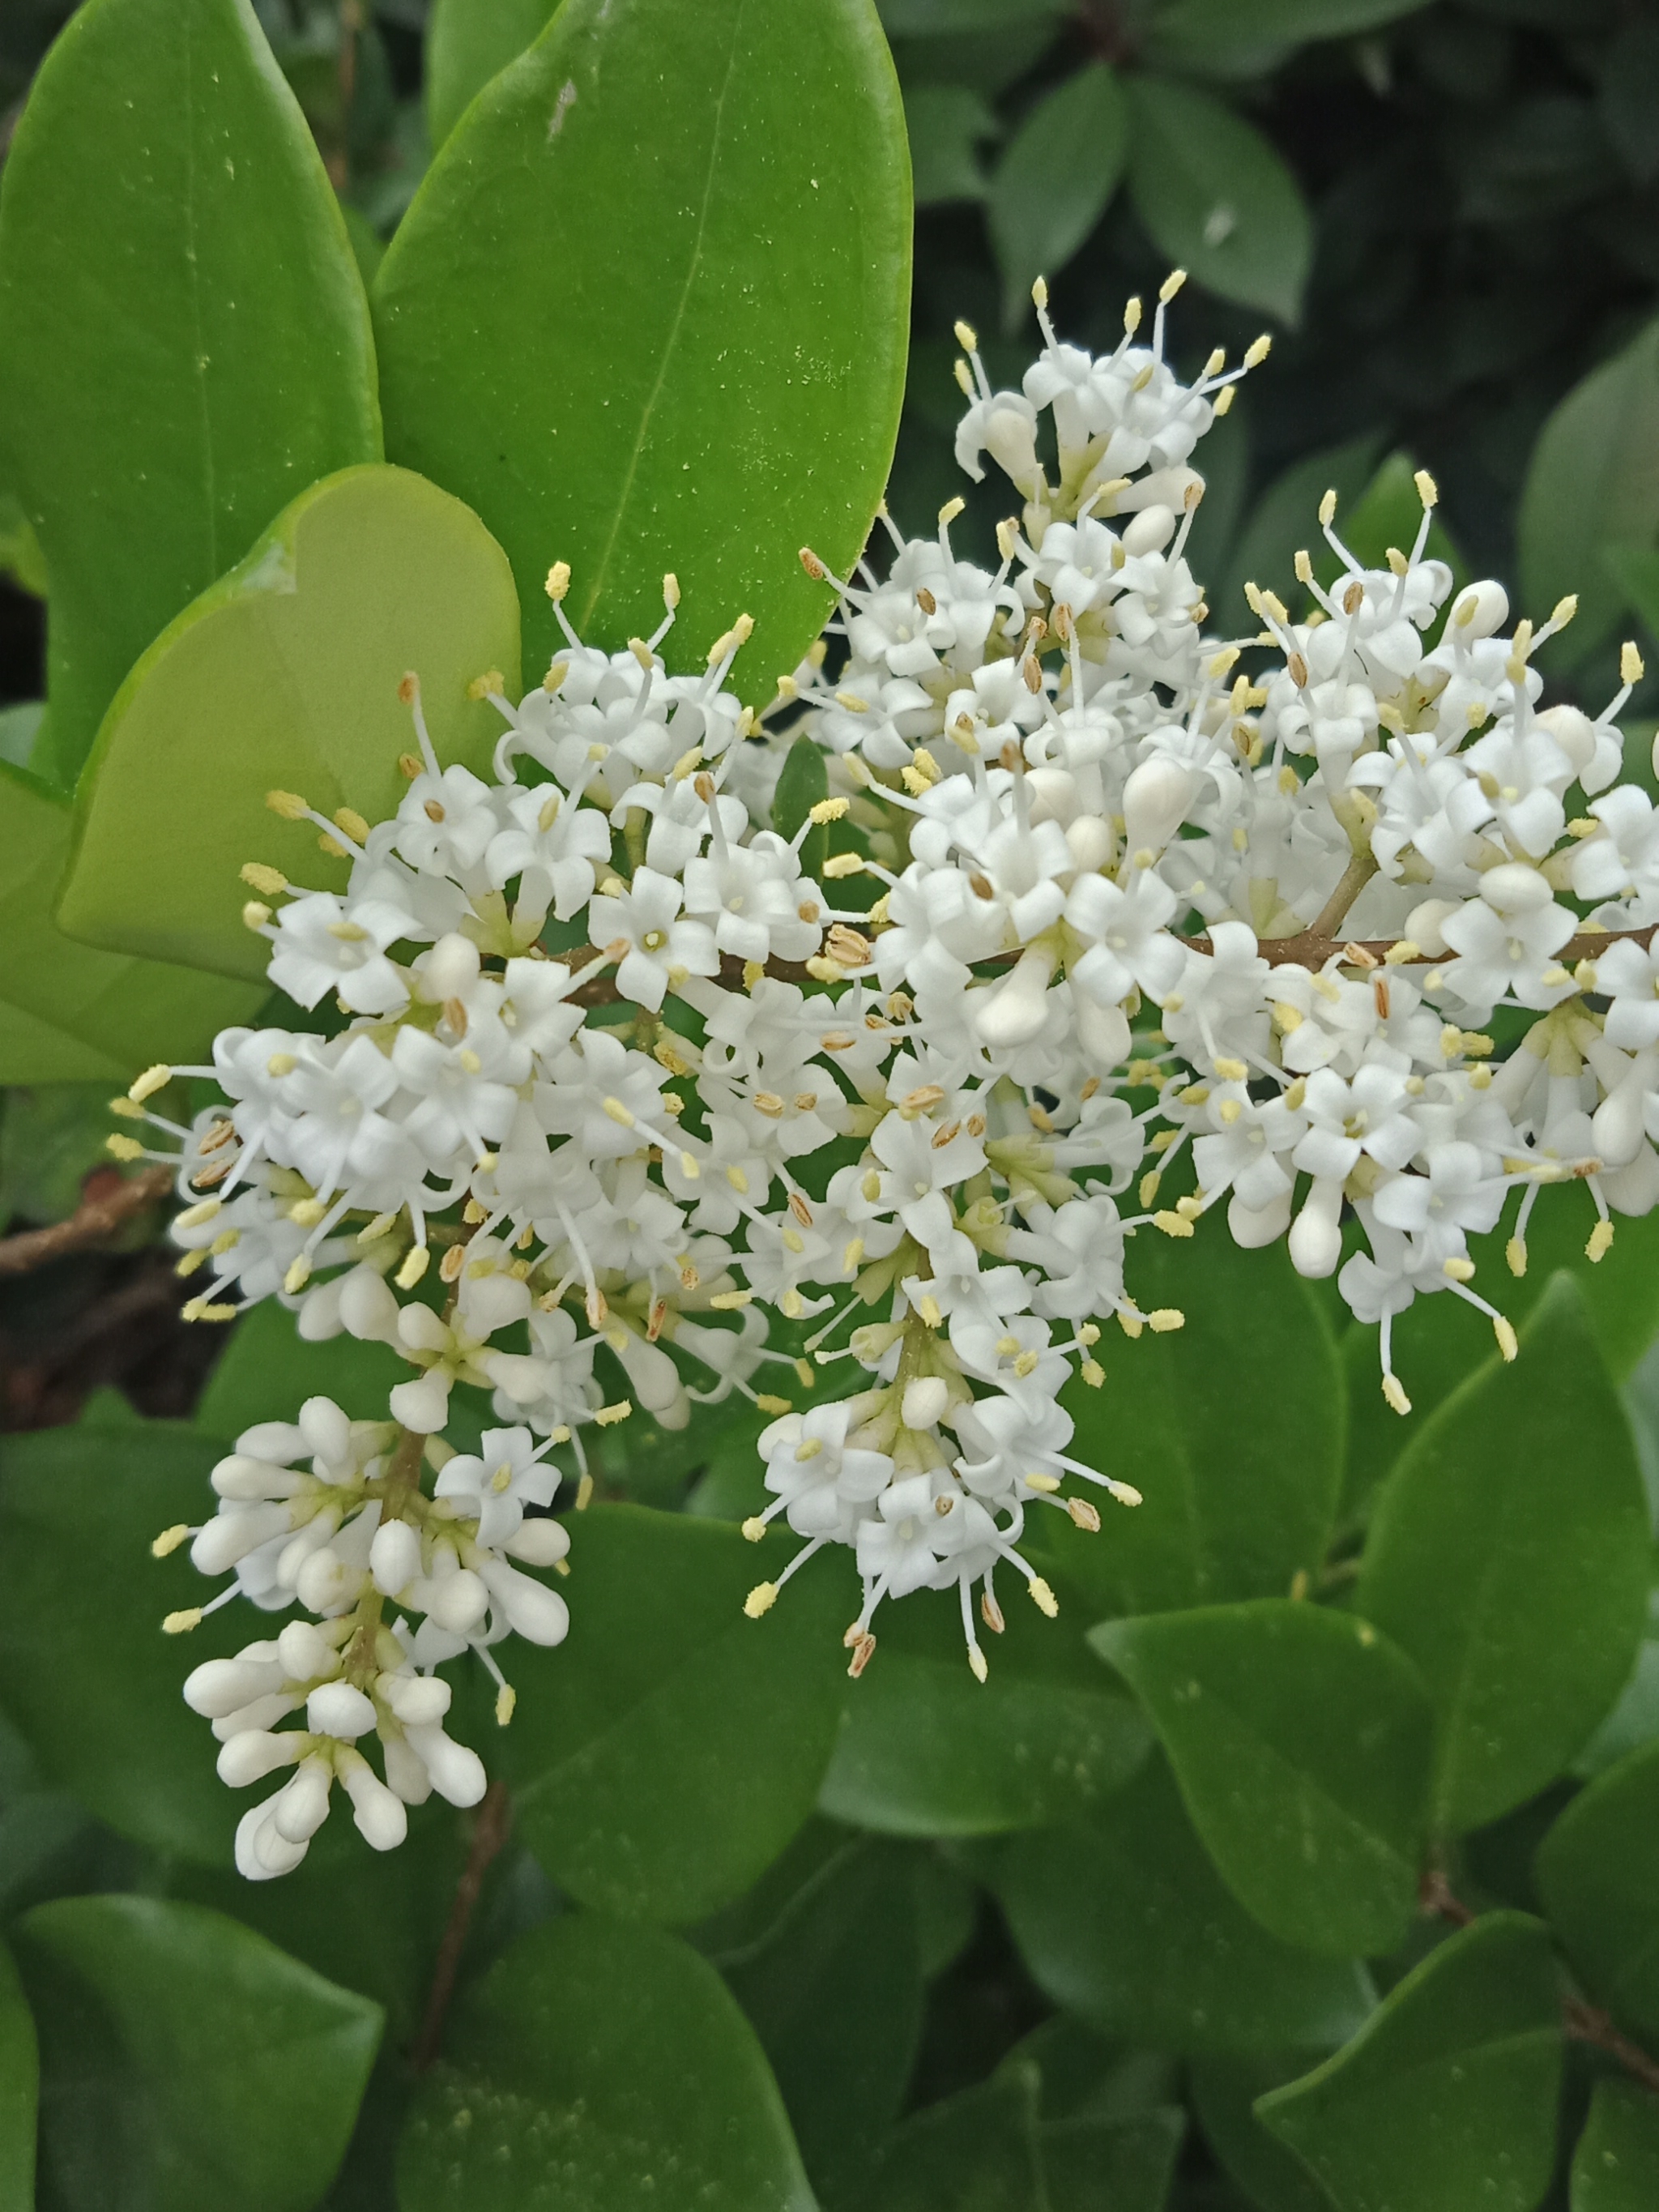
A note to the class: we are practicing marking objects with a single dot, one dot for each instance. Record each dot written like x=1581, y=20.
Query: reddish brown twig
x=489, y=1833
x=101, y=1213
x=1581, y=2021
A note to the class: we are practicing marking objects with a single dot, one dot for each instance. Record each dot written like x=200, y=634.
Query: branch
x=489, y=1833
x=94, y=1221
x=1581, y=2021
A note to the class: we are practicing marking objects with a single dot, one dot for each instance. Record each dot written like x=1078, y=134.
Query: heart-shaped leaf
x=184, y=340
x=285, y=676
x=648, y=308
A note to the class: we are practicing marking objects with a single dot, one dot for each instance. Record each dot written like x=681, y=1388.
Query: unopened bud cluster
x=1096, y=903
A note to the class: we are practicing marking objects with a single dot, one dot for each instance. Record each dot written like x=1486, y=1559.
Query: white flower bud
x=1149, y=532
x=394, y=1557
x=378, y=1812
x=1479, y=611
x=319, y=1318
x=338, y=1709
x=1573, y=731
x=240, y=1477
x=458, y=1601
x=231, y=1536
x=1426, y=922
x=1156, y=798
x=405, y=1772
x=541, y=1542
x=262, y=1853
x=925, y=1400
x=301, y=1807
x=1252, y=1226
x=305, y=1653
x=326, y=1584
x=423, y=1404
x=535, y=1613
x=457, y=1773
x=1514, y=888
x=220, y=1686
x=326, y=1431
x=1315, y=1240
x=256, y=1753
x=449, y=970
x=1617, y=1127
x=416, y=1699
x=368, y=1308
x=1091, y=841
x=1103, y=1031
x=1014, y=1013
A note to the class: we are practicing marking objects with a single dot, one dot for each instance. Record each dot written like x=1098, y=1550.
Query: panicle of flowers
x=1095, y=902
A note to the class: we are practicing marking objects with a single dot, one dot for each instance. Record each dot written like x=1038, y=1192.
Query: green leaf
x=591, y=2057
x=1093, y=2164
x=975, y=2152
x=168, y=235
x=1615, y=2167
x=925, y=1750
x=1634, y=570
x=1198, y=22
x=833, y=1988
x=1300, y=1742
x=1592, y=483
x=51, y=1137
x=20, y=2084
x=114, y=1013
x=946, y=124
x=1508, y=1557
x=1224, y=2093
x=1598, y=1882
x=1056, y=181
x=680, y=362
x=1217, y=198
x=803, y=783
x=185, y=2061
x=1199, y=1429
x=927, y=19
x=268, y=1369
x=21, y=558
x=663, y=1756
x=85, y=1672
x=369, y=574
x=467, y=43
x=1447, y=2097
x=1125, y=1923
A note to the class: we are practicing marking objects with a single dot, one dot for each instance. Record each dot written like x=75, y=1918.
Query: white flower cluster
x=613, y=1056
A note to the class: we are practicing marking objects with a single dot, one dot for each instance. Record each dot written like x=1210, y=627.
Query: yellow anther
x=506, y=1699
x=1601, y=1241
x=180, y=1623
x=258, y=877
x=169, y=1540
x=1171, y=284
x=288, y=803
x=558, y=582
x=760, y=1600
x=414, y=1267
x=1427, y=490
x=348, y=820
x=1257, y=351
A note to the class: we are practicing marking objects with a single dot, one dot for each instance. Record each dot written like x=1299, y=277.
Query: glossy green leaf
x=1237, y=1460
x=665, y=1755
x=85, y=1672
x=1593, y=482
x=590, y=2058
x=86, y=1014
x=1599, y=1881
x=1218, y=198
x=367, y=576
x=1615, y=2167
x=1125, y=1923
x=268, y=1369
x=924, y=1749
x=184, y=340
x=974, y=2152
x=947, y=124
x=185, y=2061
x=1092, y=2164
x=1055, y=180
x=693, y=361
x=1224, y=2092
x=1447, y=2097
x=20, y=2084
x=467, y=43
x=1508, y=1557
x=1300, y=1742
x=833, y=1988
x=1197, y=21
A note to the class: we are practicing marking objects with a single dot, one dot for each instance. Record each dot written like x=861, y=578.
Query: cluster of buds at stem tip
x=646, y=1090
